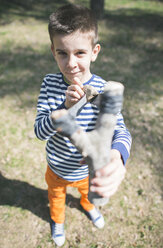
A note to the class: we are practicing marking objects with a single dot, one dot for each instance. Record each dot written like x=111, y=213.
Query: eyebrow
x=64, y=50
x=60, y=50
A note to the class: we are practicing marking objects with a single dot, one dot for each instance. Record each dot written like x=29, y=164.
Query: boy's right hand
x=74, y=93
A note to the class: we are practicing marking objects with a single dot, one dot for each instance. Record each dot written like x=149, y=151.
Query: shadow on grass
x=21, y=10
x=23, y=69
x=135, y=18
x=133, y=47
x=136, y=33
x=28, y=197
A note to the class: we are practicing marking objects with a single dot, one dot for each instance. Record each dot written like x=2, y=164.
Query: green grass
x=132, y=52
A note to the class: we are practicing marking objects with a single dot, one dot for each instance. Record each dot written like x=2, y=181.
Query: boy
x=73, y=34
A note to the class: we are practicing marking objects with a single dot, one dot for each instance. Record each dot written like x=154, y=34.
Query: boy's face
x=73, y=54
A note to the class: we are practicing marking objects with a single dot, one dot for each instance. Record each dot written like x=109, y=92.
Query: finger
x=117, y=176
x=77, y=89
x=105, y=191
x=77, y=82
x=72, y=94
x=109, y=169
x=109, y=193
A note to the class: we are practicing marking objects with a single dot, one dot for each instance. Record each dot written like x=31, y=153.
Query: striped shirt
x=62, y=156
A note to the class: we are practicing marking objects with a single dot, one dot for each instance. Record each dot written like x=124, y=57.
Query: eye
x=80, y=53
x=62, y=53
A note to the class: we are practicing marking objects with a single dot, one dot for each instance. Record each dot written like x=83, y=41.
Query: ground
x=131, y=37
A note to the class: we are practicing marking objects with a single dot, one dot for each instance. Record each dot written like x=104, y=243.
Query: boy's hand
x=74, y=93
x=108, y=179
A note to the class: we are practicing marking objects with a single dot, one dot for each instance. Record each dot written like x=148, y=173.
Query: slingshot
x=94, y=145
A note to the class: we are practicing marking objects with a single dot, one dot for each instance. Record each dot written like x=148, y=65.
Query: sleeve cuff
x=123, y=151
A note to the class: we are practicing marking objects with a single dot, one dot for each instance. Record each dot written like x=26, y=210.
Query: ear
x=95, y=52
x=53, y=50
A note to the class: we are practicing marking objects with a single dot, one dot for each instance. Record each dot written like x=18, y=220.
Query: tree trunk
x=97, y=6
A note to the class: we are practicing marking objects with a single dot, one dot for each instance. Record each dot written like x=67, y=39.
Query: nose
x=71, y=63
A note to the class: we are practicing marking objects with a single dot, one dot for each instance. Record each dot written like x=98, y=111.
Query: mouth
x=71, y=76
x=72, y=73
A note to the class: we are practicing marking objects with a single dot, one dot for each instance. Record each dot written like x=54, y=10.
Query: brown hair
x=70, y=18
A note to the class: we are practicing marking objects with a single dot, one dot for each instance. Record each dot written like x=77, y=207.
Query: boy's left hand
x=74, y=93
x=108, y=179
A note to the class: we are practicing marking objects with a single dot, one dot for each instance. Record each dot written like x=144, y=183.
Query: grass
x=131, y=38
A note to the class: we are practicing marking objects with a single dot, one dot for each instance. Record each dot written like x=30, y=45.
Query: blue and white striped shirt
x=62, y=156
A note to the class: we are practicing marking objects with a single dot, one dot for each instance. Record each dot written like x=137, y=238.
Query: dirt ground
x=131, y=39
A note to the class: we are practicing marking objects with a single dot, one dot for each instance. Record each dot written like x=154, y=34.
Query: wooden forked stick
x=95, y=145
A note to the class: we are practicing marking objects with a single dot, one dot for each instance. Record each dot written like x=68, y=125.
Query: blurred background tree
x=98, y=7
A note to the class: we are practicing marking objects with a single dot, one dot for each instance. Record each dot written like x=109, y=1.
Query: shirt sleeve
x=122, y=139
x=43, y=126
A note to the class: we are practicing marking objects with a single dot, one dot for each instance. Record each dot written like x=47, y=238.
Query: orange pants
x=57, y=194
